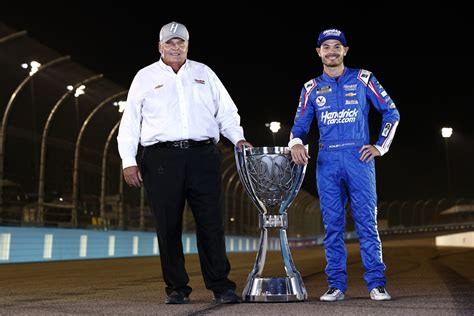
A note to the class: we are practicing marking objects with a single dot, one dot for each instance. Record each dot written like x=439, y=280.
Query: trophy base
x=286, y=289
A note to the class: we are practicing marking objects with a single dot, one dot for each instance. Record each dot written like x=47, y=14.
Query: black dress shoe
x=226, y=297
x=176, y=298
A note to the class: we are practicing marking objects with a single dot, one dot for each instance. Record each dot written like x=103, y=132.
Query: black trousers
x=172, y=175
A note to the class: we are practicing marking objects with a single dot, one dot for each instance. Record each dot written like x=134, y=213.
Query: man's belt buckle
x=184, y=144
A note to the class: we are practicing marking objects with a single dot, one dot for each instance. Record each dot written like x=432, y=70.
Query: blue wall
x=20, y=244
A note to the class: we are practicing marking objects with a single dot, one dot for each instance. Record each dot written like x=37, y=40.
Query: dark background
x=264, y=55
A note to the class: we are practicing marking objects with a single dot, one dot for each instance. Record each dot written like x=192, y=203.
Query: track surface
x=423, y=280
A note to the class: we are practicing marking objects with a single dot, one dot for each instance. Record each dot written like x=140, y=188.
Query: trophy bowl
x=272, y=181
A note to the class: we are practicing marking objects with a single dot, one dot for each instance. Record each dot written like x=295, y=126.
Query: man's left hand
x=368, y=152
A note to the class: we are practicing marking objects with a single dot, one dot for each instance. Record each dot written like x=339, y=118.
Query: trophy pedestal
x=284, y=289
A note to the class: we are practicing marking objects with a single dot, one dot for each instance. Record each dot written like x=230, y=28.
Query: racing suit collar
x=326, y=77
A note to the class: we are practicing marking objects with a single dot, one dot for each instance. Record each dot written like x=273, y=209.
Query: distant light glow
x=34, y=67
x=80, y=91
x=446, y=132
x=35, y=64
x=275, y=126
x=121, y=104
x=70, y=87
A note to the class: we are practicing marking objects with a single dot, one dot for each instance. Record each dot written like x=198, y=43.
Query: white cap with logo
x=172, y=30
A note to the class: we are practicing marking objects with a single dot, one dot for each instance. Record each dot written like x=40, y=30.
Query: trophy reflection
x=272, y=181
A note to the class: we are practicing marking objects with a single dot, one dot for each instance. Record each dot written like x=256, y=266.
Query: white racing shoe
x=379, y=293
x=332, y=294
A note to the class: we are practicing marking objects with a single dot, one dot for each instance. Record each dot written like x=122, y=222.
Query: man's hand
x=243, y=142
x=299, y=154
x=369, y=152
x=132, y=176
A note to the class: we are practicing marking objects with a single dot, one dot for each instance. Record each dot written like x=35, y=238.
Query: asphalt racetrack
x=423, y=280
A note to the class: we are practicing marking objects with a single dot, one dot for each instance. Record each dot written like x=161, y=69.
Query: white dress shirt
x=166, y=106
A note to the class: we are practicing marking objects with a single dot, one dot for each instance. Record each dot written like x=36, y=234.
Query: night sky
x=264, y=56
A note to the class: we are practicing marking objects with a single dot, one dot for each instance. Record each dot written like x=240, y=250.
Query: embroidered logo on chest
x=320, y=100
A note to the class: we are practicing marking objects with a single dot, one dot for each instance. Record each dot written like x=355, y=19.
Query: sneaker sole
x=339, y=298
x=381, y=299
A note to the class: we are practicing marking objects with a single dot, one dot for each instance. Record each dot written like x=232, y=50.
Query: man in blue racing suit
x=340, y=101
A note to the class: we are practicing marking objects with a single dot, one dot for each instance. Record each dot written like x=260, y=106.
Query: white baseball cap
x=172, y=30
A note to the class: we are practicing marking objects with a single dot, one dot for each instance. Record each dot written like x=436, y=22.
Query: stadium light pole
x=447, y=132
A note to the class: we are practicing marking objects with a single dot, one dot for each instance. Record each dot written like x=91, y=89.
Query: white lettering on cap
x=333, y=32
x=173, y=28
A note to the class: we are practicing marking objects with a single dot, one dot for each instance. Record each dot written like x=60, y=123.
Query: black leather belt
x=183, y=144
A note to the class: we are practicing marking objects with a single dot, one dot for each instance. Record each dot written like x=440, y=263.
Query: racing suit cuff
x=294, y=142
x=381, y=150
x=128, y=162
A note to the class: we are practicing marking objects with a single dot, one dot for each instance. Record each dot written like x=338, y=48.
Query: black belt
x=183, y=144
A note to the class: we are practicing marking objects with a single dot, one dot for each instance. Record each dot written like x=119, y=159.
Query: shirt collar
x=169, y=69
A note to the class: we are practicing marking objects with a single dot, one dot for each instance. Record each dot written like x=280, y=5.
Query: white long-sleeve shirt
x=166, y=106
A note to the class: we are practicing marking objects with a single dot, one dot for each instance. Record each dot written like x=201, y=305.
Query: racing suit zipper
x=338, y=107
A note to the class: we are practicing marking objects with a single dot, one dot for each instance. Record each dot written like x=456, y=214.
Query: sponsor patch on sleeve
x=386, y=129
x=364, y=76
x=309, y=85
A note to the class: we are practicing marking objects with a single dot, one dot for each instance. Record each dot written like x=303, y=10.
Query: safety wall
x=21, y=244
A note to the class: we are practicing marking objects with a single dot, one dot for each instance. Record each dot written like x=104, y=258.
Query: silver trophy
x=272, y=180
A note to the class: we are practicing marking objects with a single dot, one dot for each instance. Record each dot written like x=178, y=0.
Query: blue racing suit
x=341, y=106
